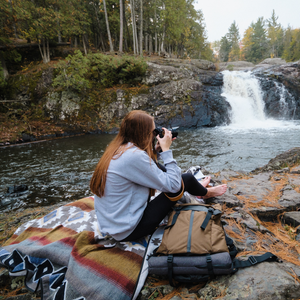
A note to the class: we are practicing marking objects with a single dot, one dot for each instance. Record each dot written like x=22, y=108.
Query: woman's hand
x=164, y=143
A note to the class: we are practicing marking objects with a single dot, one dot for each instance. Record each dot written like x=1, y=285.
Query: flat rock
x=295, y=170
x=236, y=66
x=246, y=220
x=265, y=281
x=290, y=199
x=292, y=218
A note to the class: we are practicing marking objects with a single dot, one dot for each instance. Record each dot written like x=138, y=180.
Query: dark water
x=60, y=170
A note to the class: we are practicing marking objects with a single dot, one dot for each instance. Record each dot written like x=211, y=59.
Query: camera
x=161, y=132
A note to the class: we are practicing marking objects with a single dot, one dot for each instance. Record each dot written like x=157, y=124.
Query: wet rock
x=16, y=190
x=28, y=138
x=272, y=79
x=282, y=160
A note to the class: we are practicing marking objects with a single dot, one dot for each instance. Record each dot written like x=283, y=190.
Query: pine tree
x=275, y=36
x=224, y=49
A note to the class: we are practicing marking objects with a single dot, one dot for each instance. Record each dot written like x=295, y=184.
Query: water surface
x=60, y=170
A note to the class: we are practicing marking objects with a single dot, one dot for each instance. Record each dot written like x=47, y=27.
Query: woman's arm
x=137, y=167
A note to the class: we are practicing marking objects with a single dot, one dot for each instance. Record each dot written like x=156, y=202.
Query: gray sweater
x=128, y=181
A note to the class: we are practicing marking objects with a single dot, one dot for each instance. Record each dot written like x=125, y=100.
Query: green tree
x=233, y=37
x=255, y=43
x=291, y=44
x=224, y=49
x=260, y=43
x=7, y=29
x=275, y=36
x=247, y=43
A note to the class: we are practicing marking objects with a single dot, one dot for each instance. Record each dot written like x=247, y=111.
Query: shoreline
x=18, y=143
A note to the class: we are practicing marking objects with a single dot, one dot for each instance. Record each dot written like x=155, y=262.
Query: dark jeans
x=160, y=206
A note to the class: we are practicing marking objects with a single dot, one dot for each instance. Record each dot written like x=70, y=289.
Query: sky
x=220, y=14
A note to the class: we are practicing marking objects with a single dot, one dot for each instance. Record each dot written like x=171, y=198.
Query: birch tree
x=107, y=28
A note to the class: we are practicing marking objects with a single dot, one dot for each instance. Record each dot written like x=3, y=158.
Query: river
x=60, y=170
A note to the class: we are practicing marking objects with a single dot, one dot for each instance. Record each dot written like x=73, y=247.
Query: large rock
x=236, y=66
x=281, y=89
x=266, y=281
x=185, y=93
x=269, y=62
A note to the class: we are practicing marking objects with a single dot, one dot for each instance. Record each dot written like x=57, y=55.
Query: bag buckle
x=252, y=260
x=170, y=259
x=208, y=259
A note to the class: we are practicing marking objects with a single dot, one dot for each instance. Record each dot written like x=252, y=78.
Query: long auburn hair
x=137, y=128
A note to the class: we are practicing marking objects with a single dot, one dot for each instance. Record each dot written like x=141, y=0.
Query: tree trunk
x=159, y=46
x=155, y=24
x=4, y=68
x=127, y=30
x=141, y=28
x=162, y=40
x=13, y=20
x=146, y=37
x=121, y=27
x=107, y=27
x=76, y=42
x=84, y=45
x=99, y=27
x=48, y=51
x=134, y=31
x=150, y=45
x=58, y=26
x=45, y=52
x=146, y=43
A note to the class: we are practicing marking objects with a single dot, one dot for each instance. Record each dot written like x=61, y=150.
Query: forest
x=136, y=27
x=132, y=26
x=262, y=39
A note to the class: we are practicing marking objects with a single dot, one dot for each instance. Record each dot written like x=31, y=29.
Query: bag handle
x=207, y=218
x=253, y=260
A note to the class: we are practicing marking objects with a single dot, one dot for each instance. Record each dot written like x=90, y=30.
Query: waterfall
x=287, y=110
x=243, y=92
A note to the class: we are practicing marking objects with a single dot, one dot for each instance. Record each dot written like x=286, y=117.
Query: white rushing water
x=243, y=92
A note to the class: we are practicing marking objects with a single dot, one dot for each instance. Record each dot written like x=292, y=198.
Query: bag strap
x=207, y=218
x=231, y=246
x=210, y=266
x=170, y=269
x=174, y=219
x=253, y=260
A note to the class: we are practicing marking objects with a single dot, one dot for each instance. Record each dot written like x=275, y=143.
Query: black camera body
x=159, y=131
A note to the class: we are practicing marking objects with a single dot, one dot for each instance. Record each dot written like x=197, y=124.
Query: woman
x=127, y=175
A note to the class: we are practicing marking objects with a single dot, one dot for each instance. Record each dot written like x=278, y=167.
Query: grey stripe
x=188, y=249
x=200, y=208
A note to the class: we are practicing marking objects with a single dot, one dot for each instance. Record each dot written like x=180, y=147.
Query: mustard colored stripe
x=124, y=262
x=49, y=235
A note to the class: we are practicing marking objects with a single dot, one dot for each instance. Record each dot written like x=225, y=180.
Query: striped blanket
x=65, y=255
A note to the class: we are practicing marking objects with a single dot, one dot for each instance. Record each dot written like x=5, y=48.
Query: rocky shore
x=261, y=214
x=185, y=93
